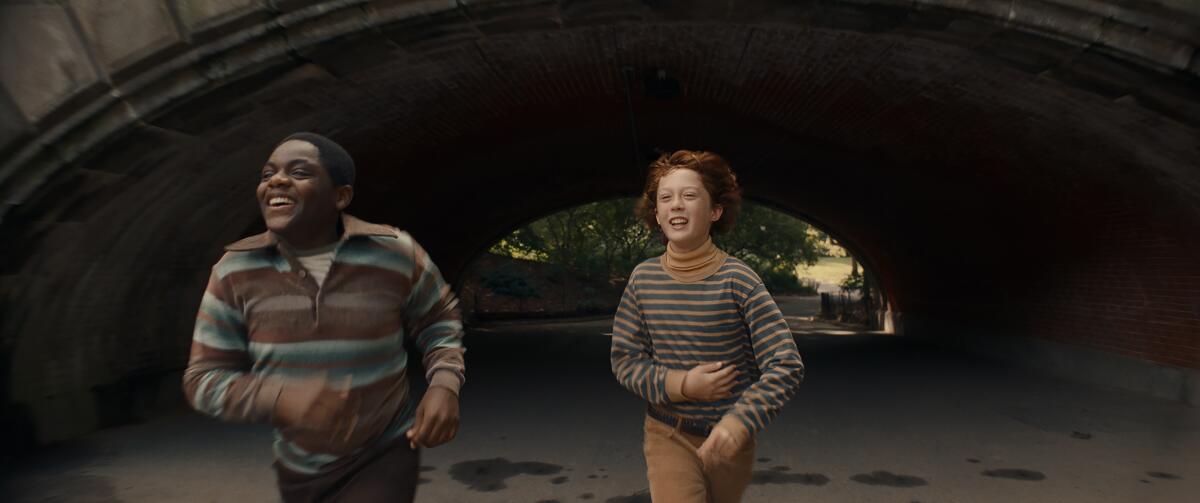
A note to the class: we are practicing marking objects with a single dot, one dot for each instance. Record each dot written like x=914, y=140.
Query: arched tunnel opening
x=577, y=261
x=1019, y=177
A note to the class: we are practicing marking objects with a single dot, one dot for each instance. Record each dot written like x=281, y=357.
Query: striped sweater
x=264, y=322
x=664, y=327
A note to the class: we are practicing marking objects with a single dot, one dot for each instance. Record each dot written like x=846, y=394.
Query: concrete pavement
x=879, y=418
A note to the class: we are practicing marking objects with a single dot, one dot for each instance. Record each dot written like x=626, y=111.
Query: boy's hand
x=437, y=418
x=319, y=415
x=720, y=447
x=312, y=403
x=709, y=382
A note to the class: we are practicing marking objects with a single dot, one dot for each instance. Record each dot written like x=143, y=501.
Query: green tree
x=602, y=239
x=773, y=244
x=605, y=240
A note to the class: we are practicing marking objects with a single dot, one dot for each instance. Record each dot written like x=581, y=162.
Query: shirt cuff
x=734, y=426
x=446, y=378
x=675, y=385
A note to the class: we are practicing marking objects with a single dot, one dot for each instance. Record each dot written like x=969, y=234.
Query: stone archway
x=1050, y=145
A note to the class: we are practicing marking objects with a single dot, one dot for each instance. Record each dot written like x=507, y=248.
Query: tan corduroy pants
x=677, y=475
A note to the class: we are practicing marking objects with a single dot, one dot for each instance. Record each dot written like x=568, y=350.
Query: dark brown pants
x=388, y=475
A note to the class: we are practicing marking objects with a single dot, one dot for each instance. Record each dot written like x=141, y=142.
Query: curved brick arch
x=1008, y=168
x=78, y=72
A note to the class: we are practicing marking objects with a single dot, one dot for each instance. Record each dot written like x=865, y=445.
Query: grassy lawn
x=829, y=270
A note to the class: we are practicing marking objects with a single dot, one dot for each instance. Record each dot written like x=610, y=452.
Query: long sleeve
x=777, y=358
x=218, y=381
x=433, y=321
x=632, y=355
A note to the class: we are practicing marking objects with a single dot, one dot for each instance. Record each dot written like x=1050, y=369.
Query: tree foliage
x=605, y=240
x=773, y=244
x=602, y=239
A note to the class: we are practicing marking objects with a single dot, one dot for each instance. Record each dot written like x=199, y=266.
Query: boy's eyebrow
x=291, y=163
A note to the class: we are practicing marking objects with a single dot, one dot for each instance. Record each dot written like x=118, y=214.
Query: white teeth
x=279, y=201
x=678, y=221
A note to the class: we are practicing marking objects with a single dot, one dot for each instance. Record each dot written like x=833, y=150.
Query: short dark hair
x=333, y=157
x=715, y=173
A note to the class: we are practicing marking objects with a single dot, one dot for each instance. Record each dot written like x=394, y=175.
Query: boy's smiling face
x=297, y=197
x=684, y=209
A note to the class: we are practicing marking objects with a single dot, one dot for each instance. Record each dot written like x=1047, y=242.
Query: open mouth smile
x=280, y=201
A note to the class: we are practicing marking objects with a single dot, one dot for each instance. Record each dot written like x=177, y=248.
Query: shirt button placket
x=316, y=298
x=317, y=308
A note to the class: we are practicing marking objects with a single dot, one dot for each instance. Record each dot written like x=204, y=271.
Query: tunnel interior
x=1006, y=178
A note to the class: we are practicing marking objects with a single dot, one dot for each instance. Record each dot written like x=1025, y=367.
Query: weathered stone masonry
x=1023, y=176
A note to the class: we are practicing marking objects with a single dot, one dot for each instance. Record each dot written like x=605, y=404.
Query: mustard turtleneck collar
x=695, y=265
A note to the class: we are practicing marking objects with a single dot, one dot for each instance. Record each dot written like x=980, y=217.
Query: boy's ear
x=717, y=211
x=345, y=194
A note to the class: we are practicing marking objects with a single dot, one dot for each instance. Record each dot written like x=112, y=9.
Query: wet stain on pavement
x=428, y=468
x=558, y=480
x=972, y=460
x=422, y=481
x=886, y=478
x=1081, y=435
x=592, y=476
x=488, y=475
x=642, y=496
x=779, y=475
x=1164, y=475
x=764, y=460
x=1016, y=474
x=586, y=496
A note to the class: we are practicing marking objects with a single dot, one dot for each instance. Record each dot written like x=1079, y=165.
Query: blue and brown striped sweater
x=664, y=327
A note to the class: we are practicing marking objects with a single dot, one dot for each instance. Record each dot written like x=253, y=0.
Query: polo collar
x=351, y=227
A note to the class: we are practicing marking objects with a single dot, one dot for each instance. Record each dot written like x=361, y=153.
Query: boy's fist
x=709, y=382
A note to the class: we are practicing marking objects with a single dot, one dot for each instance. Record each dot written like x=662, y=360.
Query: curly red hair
x=715, y=173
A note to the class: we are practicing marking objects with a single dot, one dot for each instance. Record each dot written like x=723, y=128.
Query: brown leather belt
x=690, y=426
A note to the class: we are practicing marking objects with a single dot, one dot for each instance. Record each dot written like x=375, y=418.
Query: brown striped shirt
x=264, y=321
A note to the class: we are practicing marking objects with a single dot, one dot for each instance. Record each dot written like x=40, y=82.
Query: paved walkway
x=879, y=418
